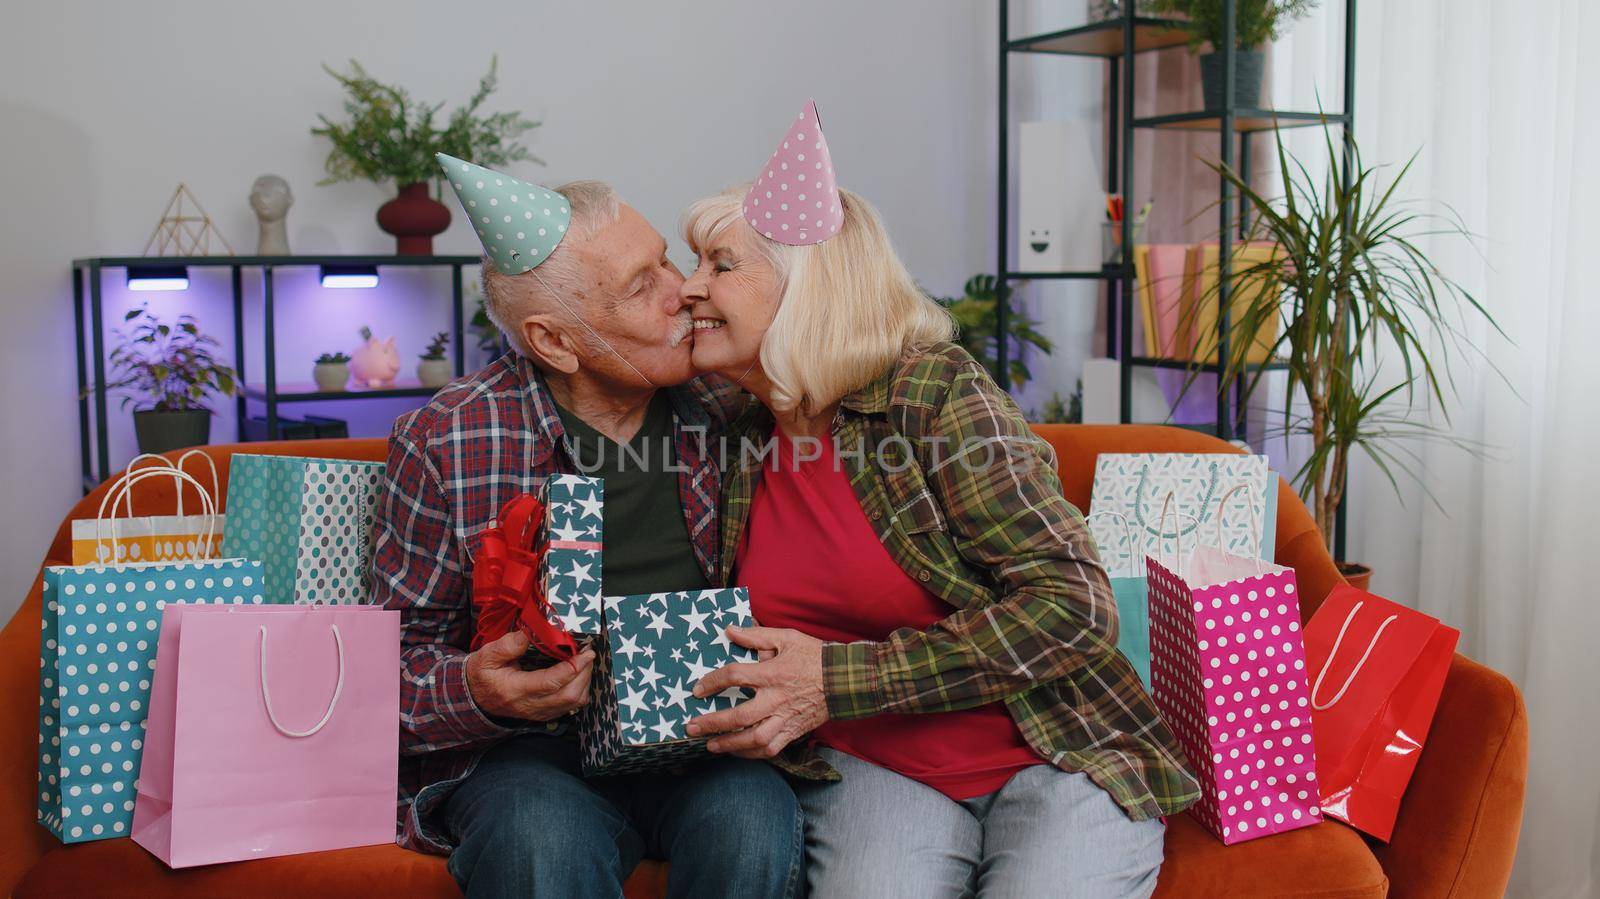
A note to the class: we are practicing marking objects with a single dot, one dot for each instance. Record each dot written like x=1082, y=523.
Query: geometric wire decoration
x=180, y=234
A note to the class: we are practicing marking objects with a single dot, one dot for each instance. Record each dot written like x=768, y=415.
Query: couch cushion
x=1328, y=860
x=124, y=869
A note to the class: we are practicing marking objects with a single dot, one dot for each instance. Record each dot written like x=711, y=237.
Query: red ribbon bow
x=506, y=590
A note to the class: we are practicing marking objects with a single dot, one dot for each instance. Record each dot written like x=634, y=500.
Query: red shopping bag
x=1377, y=671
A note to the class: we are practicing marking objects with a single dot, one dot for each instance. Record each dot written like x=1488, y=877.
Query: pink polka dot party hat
x=795, y=199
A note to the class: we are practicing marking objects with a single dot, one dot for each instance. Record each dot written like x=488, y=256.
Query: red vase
x=414, y=218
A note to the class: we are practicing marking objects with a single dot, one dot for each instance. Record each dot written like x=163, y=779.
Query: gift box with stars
x=656, y=646
x=574, y=512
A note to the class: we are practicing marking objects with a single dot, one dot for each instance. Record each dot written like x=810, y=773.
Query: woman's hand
x=789, y=701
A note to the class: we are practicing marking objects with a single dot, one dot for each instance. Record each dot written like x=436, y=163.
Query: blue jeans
x=527, y=824
x=1045, y=833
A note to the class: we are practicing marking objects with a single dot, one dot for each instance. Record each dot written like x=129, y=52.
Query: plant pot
x=159, y=432
x=1247, y=68
x=435, y=373
x=414, y=218
x=331, y=376
x=1356, y=574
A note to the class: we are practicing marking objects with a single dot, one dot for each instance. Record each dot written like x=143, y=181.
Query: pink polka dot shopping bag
x=1228, y=671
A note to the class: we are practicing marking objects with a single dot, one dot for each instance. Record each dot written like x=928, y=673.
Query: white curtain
x=1500, y=101
x=1503, y=102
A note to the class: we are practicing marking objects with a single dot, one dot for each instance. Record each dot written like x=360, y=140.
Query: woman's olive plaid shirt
x=966, y=499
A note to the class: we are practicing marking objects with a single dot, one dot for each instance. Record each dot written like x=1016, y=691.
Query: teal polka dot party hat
x=518, y=222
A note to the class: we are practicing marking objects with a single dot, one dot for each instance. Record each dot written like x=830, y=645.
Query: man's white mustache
x=685, y=328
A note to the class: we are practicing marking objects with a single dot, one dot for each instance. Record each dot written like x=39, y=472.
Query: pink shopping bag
x=1228, y=672
x=273, y=730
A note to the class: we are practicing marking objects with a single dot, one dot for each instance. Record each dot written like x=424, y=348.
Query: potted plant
x=172, y=368
x=332, y=372
x=391, y=138
x=1349, y=281
x=434, y=369
x=974, y=312
x=491, y=343
x=1256, y=22
x=1059, y=410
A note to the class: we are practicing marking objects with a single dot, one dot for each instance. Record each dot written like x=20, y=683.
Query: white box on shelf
x=1060, y=200
x=1102, y=392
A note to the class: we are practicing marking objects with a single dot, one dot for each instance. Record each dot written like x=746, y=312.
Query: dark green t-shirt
x=646, y=547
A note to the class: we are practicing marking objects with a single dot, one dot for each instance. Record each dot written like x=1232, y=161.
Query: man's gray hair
x=509, y=299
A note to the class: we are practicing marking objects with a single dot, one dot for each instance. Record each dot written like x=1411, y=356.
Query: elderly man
x=581, y=286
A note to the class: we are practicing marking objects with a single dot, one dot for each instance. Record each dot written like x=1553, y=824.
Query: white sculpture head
x=270, y=198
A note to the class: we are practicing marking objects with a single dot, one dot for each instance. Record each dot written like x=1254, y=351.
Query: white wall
x=104, y=107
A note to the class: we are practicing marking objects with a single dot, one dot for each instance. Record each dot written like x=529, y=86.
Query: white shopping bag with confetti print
x=1231, y=495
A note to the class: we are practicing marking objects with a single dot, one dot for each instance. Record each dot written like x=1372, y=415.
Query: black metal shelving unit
x=1118, y=41
x=90, y=332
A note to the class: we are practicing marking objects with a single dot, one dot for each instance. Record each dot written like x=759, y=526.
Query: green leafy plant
x=172, y=367
x=435, y=350
x=391, y=137
x=1256, y=22
x=489, y=339
x=1349, y=279
x=975, y=315
x=1059, y=411
x=333, y=359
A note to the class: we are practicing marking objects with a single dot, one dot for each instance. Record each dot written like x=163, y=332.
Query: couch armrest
x=1457, y=830
x=22, y=840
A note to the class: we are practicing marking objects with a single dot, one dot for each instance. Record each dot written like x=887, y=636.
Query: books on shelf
x=1159, y=271
x=1177, y=287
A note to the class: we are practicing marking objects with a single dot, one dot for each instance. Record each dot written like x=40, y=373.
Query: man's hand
x=789, y=701
x=500, y=687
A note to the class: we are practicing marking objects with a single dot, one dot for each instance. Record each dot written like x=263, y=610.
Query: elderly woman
x=938, y=658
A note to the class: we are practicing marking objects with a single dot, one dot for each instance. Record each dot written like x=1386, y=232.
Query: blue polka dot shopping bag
x=101, y=624
x=309, y=521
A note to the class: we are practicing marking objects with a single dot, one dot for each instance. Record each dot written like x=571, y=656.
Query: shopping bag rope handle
x=163, y=464
x=126, y=485
x=1127, y=533
x=1177, y=535
x=1317, y=687
x=1255, y=526
x=116, y=492
x=338, y=688
x=216, y=493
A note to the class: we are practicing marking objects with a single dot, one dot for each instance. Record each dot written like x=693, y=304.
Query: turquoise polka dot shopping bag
x=101, y=624
x=308, y=521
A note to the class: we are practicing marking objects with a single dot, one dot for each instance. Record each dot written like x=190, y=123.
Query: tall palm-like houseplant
x=1350, y=281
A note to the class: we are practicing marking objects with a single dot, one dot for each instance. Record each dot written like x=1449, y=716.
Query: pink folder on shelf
x=273, y=730
x=1161, y=280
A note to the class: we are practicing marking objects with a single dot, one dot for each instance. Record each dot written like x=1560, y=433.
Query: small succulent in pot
x=332, y=372
x=434, y=370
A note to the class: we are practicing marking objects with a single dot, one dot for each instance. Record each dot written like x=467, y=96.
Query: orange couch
x=1456, y=835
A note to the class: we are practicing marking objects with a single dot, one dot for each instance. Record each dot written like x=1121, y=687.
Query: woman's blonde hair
x=847, y=307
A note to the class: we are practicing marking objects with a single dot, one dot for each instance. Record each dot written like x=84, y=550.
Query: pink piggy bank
x=375, y=363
